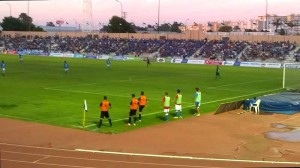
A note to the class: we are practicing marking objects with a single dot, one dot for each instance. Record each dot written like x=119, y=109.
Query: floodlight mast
x=121, y=8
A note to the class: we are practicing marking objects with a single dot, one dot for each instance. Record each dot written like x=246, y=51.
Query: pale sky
x=146, y=11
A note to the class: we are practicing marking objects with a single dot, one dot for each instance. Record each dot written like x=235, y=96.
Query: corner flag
x=85, y=106
x=85, y=109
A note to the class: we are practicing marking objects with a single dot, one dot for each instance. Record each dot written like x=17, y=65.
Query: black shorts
x=141, y=108
x=132, y=112
x=104, y=114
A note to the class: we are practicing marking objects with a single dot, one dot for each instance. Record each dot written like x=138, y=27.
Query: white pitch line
x=232, y=90
x=257, y=81
x=185, y=157
x=95, y=93
x=22, y=118
x=147, y=114
x=38, y=160
x=100, y=83
x=74, y=91
x=289, y=118
x=153, y=155
x=98, y=160
x=46, y=164
x=191, y=105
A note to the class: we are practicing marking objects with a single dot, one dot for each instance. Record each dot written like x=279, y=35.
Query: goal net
x=291, y=76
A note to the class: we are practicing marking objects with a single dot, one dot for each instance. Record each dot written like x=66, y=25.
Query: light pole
x=28, y=15
x=9, y=9
x=120, y=24
x=267, y=15
x=76, y=25
x=158, y=16
x=99, y=27
x=121, y=8
x=185, y=23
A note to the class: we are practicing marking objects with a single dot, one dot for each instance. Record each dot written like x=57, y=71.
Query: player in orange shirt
x=134, y=103
x=104, y=106
x=142, y=103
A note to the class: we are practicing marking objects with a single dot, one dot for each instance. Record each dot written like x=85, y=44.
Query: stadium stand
x=222, y=49
x=207, y=49
x=266, y=50
x=297, y=55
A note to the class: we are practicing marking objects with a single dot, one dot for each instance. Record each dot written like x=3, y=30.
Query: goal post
x=291, y=76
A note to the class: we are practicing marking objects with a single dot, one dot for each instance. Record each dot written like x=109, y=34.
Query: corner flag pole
x=84, y=111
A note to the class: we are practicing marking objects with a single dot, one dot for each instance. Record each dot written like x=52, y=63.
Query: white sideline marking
x=45, y=157
x=47, y=164
x=189, y=106
x=232, y=90
x=290, y=118
x=98, y=160
x=22, y=118
x=147, y=114
x=153, y=155
x=184, y=157
x=111, y=161
x=74, y=91
x=131, y=78
x=244, y=83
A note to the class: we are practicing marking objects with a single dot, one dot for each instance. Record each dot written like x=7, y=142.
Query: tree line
x=120, y=25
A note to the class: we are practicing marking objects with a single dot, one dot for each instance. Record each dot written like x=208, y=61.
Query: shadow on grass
x=191, y=111
x=160, y=117
x=8, y=106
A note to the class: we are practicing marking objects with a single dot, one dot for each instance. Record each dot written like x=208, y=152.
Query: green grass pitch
x=38, y=90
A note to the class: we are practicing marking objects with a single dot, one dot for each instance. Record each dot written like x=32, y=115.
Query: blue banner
x=237, y=63
x=119, y=58
x=91, y=56
x=184, y=61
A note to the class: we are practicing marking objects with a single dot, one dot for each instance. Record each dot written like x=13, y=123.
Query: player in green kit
x=178, y=107
x=197, y=97
x=166, y=101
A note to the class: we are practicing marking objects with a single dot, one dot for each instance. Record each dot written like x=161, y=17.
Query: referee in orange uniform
x=142, y=103
x=104, y=106
x=133, y=108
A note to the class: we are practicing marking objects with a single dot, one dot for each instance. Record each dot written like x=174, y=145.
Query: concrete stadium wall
x=195, y=35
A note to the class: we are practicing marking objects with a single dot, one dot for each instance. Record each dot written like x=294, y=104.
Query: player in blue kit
x=3, y=68
x=108, y=63
x=66, y=67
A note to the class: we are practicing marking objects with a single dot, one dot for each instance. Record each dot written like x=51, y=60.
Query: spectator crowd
x=203, y=49
x=267, y=50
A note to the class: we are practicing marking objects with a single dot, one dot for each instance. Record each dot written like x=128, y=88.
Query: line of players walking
x=138, y=104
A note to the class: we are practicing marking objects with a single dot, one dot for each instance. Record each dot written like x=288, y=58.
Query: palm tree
x=236, y=28
x=277, y=23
